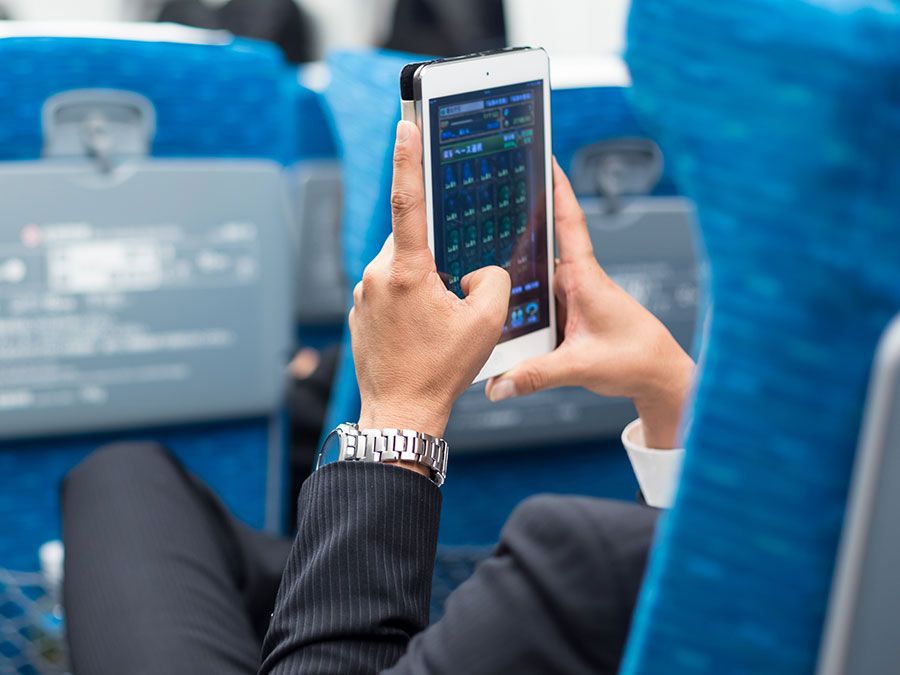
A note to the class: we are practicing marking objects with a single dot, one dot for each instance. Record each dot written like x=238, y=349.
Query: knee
x=606, y=527
x=116, y=465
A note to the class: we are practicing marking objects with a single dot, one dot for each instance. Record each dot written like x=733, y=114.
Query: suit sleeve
x=357, y=585
x=557, y=596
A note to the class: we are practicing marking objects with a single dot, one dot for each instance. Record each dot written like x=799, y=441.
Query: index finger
x=408, y=191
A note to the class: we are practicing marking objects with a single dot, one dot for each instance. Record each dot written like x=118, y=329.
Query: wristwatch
x=349, y=443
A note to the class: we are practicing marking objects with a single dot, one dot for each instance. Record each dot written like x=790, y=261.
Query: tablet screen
x=488, y=169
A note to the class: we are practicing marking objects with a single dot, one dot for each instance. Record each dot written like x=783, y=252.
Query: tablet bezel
x=474, y=74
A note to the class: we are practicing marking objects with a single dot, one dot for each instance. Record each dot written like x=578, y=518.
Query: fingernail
x=502, y=390
x=402, y=131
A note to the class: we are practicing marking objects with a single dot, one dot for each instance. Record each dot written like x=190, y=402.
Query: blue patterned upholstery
x=781, y=119
x=221, y=101
x=484, y=488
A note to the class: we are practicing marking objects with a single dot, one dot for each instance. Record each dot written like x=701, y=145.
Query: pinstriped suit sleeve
x=357, y=585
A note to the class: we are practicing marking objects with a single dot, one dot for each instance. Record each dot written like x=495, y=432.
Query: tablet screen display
x=488, y=169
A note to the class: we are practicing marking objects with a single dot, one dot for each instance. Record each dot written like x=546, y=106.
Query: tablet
x=485, y=122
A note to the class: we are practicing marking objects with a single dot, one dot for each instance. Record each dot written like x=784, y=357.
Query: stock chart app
x=488, y=169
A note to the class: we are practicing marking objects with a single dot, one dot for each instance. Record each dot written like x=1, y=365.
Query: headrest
x=214, y=96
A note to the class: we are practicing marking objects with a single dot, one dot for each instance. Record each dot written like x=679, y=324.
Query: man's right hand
x=416, y=345
x=612, y=345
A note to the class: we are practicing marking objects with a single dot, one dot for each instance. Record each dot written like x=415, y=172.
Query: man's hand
x=612, y=345
x=416, y=345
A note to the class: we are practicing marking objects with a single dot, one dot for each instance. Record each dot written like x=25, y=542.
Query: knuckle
x=369, y=279
x=568, y=284
x=534, y=379
x=402, y=200
x=502, y=276
x=358, y=293
x=400, y=280
x=401, y=155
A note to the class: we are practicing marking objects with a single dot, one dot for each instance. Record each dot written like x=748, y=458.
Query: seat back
x=859, y=635
x=144, y=275
x=781, y=122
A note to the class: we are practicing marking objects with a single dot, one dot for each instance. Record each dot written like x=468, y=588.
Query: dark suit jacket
x=556, y=597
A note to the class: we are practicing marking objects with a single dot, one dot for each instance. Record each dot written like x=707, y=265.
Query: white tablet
x=485, y=122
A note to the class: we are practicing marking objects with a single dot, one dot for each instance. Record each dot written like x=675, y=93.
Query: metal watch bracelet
x=397, y=445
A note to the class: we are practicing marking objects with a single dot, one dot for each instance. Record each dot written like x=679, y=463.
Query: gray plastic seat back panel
x=317, y=195
x=157, y=294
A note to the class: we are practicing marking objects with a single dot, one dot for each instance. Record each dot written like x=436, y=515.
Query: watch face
x=330, y=451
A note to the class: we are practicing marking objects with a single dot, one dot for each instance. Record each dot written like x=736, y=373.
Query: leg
x=159, y=578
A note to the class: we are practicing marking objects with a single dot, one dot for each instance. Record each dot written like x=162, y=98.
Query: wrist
x=661, y=404
x=411, y=416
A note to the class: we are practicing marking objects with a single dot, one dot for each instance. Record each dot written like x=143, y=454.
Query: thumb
x=543, y=372
x=487, y=292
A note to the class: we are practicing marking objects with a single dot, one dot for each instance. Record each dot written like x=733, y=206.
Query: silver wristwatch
x=349, y=443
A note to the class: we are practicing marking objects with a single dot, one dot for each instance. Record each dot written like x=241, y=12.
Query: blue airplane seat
x=483, y=486
x=781, y=120
x=149, y=298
